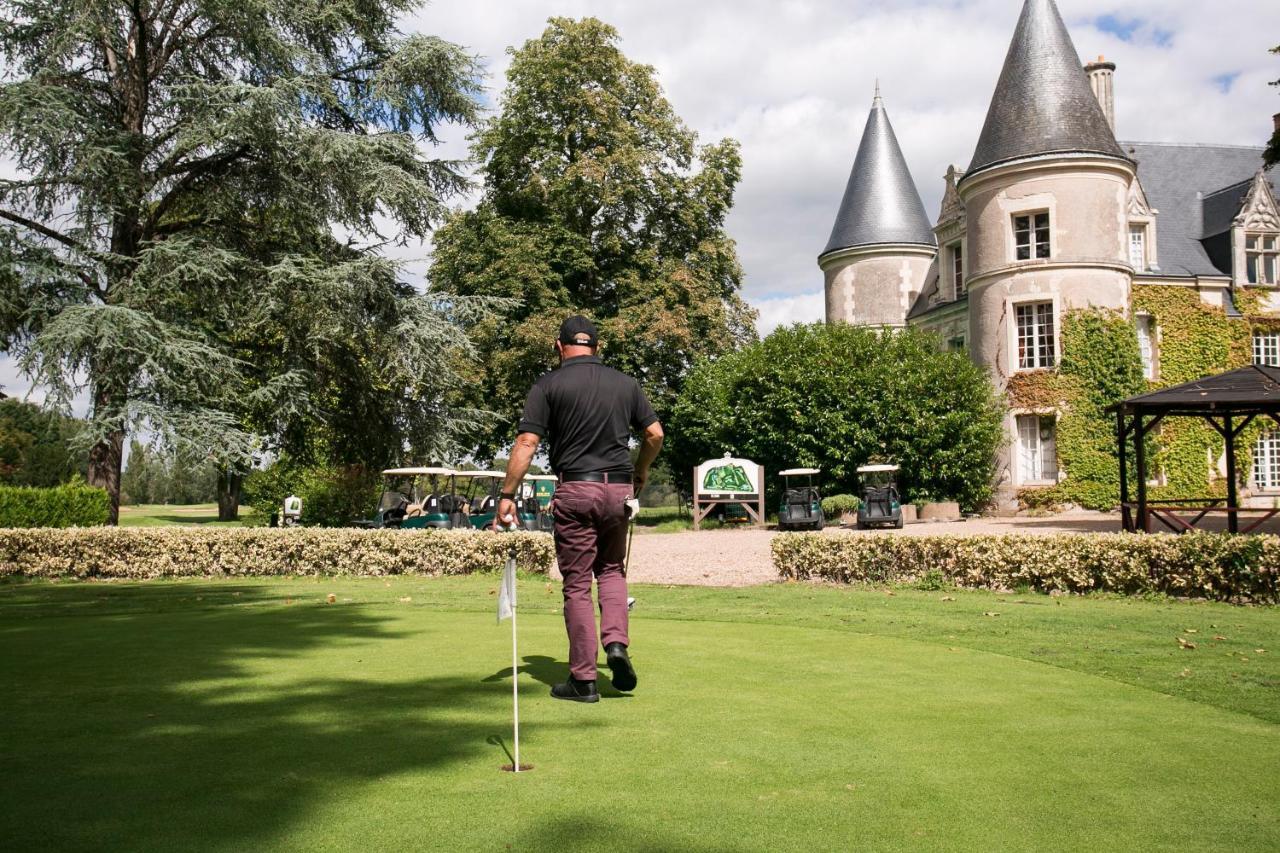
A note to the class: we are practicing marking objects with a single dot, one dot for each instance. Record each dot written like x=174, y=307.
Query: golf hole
x=509, y=768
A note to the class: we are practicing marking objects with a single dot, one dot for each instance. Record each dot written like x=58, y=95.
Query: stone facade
x=1054, y=214
x=875, y=285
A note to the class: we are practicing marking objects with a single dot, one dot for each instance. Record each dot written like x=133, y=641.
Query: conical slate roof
x=881, y=203
x=1043, y=103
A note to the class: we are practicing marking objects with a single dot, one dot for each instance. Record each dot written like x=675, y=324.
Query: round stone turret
x=882, y=243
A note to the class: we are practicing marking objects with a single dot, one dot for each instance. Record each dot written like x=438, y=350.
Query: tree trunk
x=104, y=470
x=229, y=483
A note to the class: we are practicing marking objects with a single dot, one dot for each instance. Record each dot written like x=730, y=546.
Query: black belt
x=596, y=477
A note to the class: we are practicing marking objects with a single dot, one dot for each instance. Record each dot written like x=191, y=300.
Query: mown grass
x=252, y=714
x=676, y=519
x=168, y=515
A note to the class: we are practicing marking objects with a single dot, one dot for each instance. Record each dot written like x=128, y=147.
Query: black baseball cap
x=578, y=331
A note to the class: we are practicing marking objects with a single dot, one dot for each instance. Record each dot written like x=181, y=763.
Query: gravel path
x=741, y=557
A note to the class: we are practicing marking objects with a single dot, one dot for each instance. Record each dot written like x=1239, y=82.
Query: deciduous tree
x=183, y=165
x=597, y=199
x=837, y=397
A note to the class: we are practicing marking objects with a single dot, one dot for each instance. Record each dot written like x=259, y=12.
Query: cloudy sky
x=792, y=80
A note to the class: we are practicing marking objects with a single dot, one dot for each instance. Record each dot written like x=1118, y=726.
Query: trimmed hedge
x=1198, y=565
x=143, y=553
x=68, y=505
x=834, y=505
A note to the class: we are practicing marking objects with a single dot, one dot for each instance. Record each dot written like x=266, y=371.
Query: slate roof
x=1251, y=388
x=1198, y=190
x=881, y=203
x=1043, y=103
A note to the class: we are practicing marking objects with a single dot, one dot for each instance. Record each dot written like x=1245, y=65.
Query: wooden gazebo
x=1229, y=402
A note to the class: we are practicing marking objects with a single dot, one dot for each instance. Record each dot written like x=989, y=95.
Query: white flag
x=507, y=592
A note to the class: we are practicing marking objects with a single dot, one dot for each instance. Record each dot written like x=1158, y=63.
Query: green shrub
x=1040, y=499
x=837, y=397
x=836, y=505
x=332, y=496
x=157, y=552
x=1199, y=565
x=931, y=580
x=70, y=505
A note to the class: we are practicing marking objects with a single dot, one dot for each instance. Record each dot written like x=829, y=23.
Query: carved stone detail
x=952, y=207
x=1259, y=210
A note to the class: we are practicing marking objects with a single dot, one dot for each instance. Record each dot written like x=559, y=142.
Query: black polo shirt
x=587, y=411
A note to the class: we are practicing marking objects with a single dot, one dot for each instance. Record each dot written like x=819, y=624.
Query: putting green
x=218, y=717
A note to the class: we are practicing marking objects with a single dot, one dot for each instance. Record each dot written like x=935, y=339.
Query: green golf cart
x=418, y=498
x=881, y=504
x=482, y=491
x=801, y=505
x=543, y=489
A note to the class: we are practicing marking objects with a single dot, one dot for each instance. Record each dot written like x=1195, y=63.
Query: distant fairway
x=168, y=515
x=251, y=715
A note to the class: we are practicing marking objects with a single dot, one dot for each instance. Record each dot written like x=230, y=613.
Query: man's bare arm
x=650, y=445
x=517, y=466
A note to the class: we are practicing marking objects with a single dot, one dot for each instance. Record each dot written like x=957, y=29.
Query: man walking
x=587, y=412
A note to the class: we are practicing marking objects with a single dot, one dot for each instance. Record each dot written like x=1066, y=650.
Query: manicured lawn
x=252, y=715
x=166, y=515
x=675, y=519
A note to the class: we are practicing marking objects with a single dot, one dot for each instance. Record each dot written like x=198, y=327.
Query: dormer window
x=1138, y=247
x=956, y=251
x=1031, y=235
x=1262, y=258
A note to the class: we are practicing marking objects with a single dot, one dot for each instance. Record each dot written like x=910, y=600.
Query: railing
x=1171, y=514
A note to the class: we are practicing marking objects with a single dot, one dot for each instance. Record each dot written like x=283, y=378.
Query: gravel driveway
x=740, y=557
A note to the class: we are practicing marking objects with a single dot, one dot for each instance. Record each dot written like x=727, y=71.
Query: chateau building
x=1054, y=214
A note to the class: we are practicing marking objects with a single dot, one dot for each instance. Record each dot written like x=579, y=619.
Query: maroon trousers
x=591, y=541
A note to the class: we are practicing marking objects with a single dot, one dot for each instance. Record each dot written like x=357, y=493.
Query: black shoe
x=624, y=674
x=576, y=691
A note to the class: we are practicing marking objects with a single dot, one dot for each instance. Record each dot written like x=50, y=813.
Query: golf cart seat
x=802, y=496
x=413, y=511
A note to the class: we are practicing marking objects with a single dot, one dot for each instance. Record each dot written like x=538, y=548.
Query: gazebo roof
x=1254, y=389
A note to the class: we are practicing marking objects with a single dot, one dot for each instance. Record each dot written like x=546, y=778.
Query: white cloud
x=792, y=81
x=778, y=311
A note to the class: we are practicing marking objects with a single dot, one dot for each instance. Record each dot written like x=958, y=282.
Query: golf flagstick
x=515, y=667
x=507, y=607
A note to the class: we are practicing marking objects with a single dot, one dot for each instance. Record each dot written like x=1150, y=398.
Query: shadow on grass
x=145, y=718
x=551, y=672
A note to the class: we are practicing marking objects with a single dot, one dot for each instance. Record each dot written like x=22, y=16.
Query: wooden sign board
x=728, y=480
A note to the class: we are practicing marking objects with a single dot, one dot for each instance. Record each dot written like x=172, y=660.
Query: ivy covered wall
x=1195, y=340
x=1101, y=364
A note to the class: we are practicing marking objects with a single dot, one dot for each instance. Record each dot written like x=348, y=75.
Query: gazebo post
x=1140, y=456
x=1233, y=519
x=1124, y=473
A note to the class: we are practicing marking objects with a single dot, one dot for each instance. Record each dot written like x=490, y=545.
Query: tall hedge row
x=159, y=552
x=1200, y=565
x=68, y=505
x=836, y=397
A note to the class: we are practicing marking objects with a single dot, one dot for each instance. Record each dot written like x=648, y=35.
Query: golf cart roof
x=418, y=472
x=541, y=477
x=482, y=475
x=874, y=469
x=798, y=472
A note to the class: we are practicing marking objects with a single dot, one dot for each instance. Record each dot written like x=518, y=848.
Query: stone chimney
x=1102, y=79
